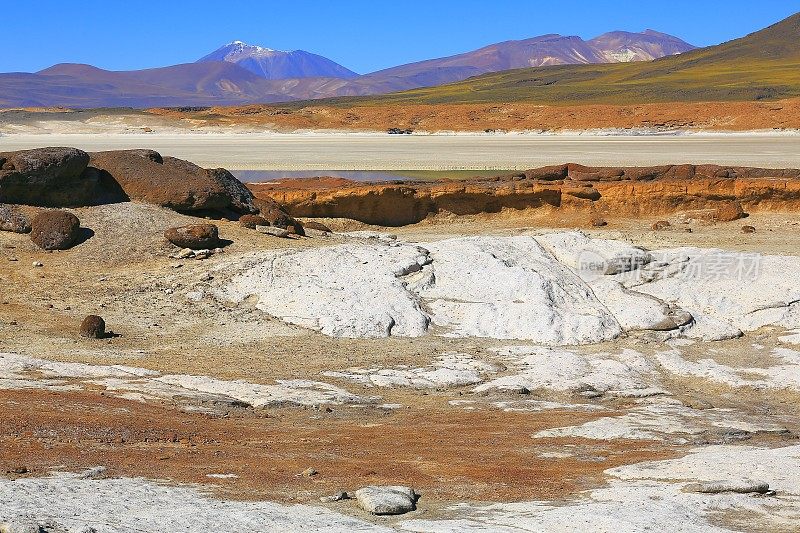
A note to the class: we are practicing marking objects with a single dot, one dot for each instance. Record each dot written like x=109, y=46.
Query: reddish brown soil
x=448, y=454
x=728, y=116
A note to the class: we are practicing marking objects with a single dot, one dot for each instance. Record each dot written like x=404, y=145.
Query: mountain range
x=238, y=73
x=764, y=65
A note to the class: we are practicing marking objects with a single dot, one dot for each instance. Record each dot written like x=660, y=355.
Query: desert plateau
x=545, y=285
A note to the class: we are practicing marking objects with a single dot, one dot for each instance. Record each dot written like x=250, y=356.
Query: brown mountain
x=228, y=82
x=763, y=65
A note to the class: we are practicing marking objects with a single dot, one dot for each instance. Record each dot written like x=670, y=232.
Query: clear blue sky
x=362, y=35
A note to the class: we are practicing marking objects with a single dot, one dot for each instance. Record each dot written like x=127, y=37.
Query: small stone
x=93, y=327
x=598, y=222
x=185, y=253
x=388, y=500
x=339, y=496
x=743, y=486
x=748, y=229
x=37, y=264
x=176, y=265
x=12, y=259
x=660, y=225
x=309, y=472
x=19, y=470
x=96, y=472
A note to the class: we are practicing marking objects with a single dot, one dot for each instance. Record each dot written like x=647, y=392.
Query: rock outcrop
x=629, y=191
x=146, y=176
x=48, y=177
x=55, y=230
x=68, y=177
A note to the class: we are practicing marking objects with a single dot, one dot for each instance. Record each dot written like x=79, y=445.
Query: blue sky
x=362, y=35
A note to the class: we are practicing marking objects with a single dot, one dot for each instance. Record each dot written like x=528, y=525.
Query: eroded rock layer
x=630, y=191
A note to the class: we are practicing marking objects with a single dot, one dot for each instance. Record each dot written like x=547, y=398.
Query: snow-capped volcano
x=278, y=64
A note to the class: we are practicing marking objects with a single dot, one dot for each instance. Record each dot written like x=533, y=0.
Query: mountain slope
x=277, y=64
x=762, y=65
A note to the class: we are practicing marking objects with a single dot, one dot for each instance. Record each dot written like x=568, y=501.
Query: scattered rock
x=37, y=264
x=272, y=230
x=316, y=226
x=96, y=472
x=309, y=472
x=729, y=211
x=251, y=221
x=744, y=486
x=339, y=496
x=19, y=470
x=194, y=236
x=93, y=327
x=388, y=500
x=55, y=230
x=748, y=229
x=660, y=225
x=598, y=222
x=12, y=220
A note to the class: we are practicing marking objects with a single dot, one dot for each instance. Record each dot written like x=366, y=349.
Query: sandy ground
x=363, y=151
x=450, y=443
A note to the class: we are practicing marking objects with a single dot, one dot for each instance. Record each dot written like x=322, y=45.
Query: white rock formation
x=19, y=371
x=644, y=496
x=449, y=370
x=555, y=289
x=511, y=288
x=125, y=504
x=565, y=371
x=349, y=290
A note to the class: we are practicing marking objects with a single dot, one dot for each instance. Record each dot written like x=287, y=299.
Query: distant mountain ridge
x=240, y=73
x=764, y=65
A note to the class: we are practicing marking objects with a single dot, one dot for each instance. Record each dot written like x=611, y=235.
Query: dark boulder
x=55, y=230
x=194, y=237
x=93, y=327
x=272, y=211
x=12, y=220
x=47, y=177
x=145, y=176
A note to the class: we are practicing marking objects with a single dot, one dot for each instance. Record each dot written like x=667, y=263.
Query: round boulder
x=729, y=211
x=93, y=327
x=55, y=230
x=251, y=221
x=194, y=236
